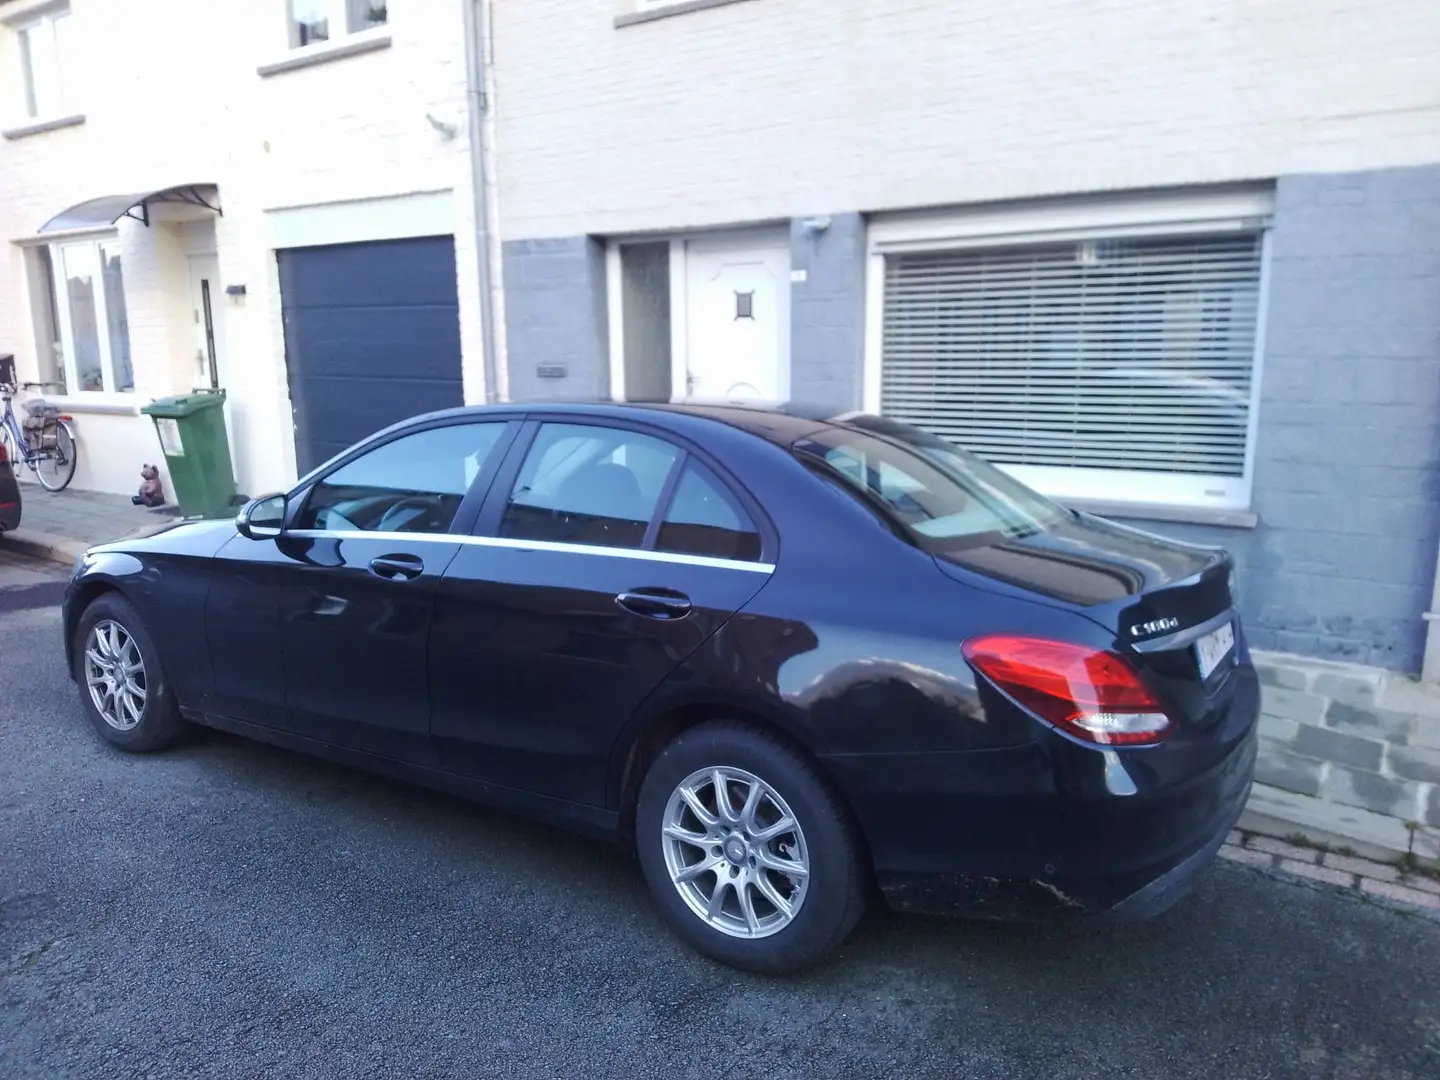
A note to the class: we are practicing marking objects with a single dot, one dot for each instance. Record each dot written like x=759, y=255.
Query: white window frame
x=1246, y=209
x=40, y=28
x=92, y=246
x=338, y=18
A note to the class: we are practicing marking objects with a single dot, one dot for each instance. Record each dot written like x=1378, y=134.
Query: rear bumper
x=1051, y=830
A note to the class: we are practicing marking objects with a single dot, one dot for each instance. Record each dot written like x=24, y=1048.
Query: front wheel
x=123, y=687
x=749, y=854
x=56, y=468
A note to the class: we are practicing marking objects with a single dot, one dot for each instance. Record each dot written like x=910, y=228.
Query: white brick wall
x=171, y=95
x=778, y=108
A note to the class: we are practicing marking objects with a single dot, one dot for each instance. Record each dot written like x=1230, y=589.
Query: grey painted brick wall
x=1347, y=473
x=827, y=311
x=555, y=316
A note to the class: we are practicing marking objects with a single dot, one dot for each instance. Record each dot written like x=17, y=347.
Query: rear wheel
x=747, y=851
x=56, y=469
x=123, y=688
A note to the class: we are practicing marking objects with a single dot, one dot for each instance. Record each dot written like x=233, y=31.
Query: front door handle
x=391, y=567
x=655, y=603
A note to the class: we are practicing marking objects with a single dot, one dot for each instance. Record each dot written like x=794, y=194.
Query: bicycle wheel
x=7, y=440
x=57, y=468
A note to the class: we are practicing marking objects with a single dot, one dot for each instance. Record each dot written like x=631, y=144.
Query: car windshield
x=944, y=496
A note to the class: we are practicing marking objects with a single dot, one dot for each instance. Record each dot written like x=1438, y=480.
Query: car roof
x=783, y=423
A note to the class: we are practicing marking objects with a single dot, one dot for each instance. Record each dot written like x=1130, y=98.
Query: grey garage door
x=372, y=336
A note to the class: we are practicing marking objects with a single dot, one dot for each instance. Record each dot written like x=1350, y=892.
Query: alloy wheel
x=115, y=675
x=735, y=852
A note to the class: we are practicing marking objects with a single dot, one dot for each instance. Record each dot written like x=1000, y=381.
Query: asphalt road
x=230, y=910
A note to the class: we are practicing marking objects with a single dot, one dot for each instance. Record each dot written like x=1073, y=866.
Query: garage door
x=372, y=336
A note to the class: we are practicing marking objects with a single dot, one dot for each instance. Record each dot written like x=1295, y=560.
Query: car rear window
x=943, y=496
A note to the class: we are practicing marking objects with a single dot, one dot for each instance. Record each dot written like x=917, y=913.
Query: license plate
x=1214, y=647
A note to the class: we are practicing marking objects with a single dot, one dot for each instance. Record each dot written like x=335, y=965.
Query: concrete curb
x=61, y=550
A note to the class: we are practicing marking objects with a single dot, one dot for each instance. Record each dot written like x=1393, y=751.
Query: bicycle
x=52, y=455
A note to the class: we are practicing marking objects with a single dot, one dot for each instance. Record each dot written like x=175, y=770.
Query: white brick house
x=307, y=124
x=1177, y=263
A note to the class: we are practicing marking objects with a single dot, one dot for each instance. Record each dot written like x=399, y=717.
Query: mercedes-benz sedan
x=784, y=657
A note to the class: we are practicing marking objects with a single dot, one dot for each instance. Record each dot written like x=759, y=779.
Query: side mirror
x=262, y=518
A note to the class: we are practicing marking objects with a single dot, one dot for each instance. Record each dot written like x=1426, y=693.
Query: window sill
x=1191, y=515
x=96, y=403
x=309, y=55
x=684, y=7
x=36, y=127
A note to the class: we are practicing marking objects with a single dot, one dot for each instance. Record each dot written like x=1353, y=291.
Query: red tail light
x=1096, y=696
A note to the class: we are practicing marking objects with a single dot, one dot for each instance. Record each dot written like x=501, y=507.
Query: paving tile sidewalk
x=1382, y=882
x=60, y=525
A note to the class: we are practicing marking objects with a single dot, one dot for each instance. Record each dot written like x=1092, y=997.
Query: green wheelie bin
x=192, y=435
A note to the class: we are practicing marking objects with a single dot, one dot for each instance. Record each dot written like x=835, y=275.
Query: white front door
x=737, y=321
x=211, y=361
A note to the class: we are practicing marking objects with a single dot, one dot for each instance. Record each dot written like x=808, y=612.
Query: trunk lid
x=1168, y=605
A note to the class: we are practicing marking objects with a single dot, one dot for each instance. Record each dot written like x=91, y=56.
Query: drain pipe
x=475, y=26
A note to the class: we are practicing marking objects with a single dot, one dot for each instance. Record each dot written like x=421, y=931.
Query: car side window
x=583, y=484
x=704, y=519
x=412, y=484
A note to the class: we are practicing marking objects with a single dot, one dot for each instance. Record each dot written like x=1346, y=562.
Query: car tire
x=132, y=707
x=741, y=857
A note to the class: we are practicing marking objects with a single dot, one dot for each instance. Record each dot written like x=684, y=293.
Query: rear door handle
x=655, y=603
x=391, y=567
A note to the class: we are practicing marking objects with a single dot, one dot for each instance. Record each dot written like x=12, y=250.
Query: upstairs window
x=42, y=44
x=313, y=22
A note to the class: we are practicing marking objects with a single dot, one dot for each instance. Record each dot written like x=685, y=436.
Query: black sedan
x=785, y=657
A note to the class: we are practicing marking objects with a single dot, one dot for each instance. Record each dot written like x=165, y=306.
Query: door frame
x=776, y=237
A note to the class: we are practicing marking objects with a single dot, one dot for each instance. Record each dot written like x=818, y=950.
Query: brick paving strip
x=1365, y=877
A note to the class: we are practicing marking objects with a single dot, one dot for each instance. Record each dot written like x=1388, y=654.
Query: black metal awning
x=108, y=209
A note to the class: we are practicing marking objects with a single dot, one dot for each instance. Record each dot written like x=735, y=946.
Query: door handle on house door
x=408, y=567
x=655, y=603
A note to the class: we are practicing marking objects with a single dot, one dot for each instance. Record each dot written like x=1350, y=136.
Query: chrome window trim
x=534, y=545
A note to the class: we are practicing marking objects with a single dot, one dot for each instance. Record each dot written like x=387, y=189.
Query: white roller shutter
x=1132, y=354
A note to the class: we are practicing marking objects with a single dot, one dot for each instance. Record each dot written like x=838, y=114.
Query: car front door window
x=414, y=484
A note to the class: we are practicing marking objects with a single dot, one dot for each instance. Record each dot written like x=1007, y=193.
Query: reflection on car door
x=605, y=556
x=346, y=591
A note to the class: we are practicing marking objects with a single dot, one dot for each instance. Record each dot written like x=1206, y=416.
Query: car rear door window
x=412, y=484
x=584, y=484
x=704, y=519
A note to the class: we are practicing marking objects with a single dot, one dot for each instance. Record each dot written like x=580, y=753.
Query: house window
x=42, y=44
x=316, y=21
x=88, y=299
x=1116, y=367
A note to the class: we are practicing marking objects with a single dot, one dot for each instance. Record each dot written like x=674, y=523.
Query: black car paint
x=510, y=674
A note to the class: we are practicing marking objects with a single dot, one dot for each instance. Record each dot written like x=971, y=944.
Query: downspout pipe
x=475, y=101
